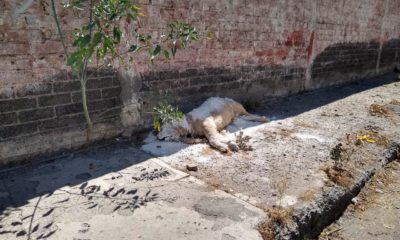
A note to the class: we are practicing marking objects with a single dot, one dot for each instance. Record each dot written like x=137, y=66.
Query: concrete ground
x=290, y=164
x=118, y=192
x=287, y=186
x=375, y=213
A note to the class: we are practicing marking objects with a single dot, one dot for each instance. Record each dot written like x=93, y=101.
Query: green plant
x=336, y=154
x=163, y=113
x=97, y=43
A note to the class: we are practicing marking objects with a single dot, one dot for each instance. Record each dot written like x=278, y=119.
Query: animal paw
x=233, y=146
x=220, y=146
x=223, y=149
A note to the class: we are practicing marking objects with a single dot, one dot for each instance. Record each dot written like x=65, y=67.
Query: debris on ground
x=395, y=102
x=338, y=172
x=375, y=212
x=192, y=167
x=243, y=142
x=278, y=217
x=131, y=187
x=378, y=110
x=152, y=175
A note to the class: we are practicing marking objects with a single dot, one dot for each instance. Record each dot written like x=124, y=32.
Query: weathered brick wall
x=191, y=86
x=46, y=117
x=39, y=108
x=259, y=49
x=340, y=62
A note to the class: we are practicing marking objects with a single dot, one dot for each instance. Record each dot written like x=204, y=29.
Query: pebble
x=355, y=200
x=192, y=167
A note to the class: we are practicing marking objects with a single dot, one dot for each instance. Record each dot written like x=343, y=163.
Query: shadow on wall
x=191, y=87
x=337, y=64
x=339, y=71
x=345, y=62
x=390, y=54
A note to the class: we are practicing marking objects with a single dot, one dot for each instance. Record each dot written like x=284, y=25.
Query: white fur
x=207, y=120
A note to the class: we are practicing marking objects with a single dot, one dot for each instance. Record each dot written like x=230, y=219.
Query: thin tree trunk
x=60, y=33
x=89, y=128
x=83, y=81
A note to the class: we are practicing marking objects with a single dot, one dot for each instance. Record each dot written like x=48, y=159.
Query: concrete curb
x=312, y=219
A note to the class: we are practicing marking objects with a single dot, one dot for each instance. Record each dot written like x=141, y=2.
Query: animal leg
x=213, y=136
x=255, y=118
x=239, y=109
x=188, y=140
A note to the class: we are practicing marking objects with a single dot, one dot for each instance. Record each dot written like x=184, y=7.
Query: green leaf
x=135, y=8
x=117, y=33
x=81, y=41
x=156, y=51
x=133, y=48
x=97, y=38
x=166, y=54
x=85, y=40
x=108, y=45
x=75, y=60
x=113, y=16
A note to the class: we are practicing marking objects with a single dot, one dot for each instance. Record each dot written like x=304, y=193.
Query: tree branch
x=60, y=33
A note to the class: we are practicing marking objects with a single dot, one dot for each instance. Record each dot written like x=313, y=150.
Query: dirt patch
x=378, y=110
x=338, y=172
x=277, y=218
x=395, y=102
x=339, y=176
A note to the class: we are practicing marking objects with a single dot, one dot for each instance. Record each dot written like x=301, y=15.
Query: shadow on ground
x=18, y=187
x=77, y=168
x=70, y=170
x=282, y=108
x=65, y=182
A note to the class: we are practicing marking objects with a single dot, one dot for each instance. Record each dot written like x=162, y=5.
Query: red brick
x=12, y=49
x=245, y=33
x=15, y=36
x=46, y=47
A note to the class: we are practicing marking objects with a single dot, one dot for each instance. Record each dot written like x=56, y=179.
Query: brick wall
x=259, y=49
x=39, y=108
x=340, y=62
x=45, y=117
x=191, y=86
